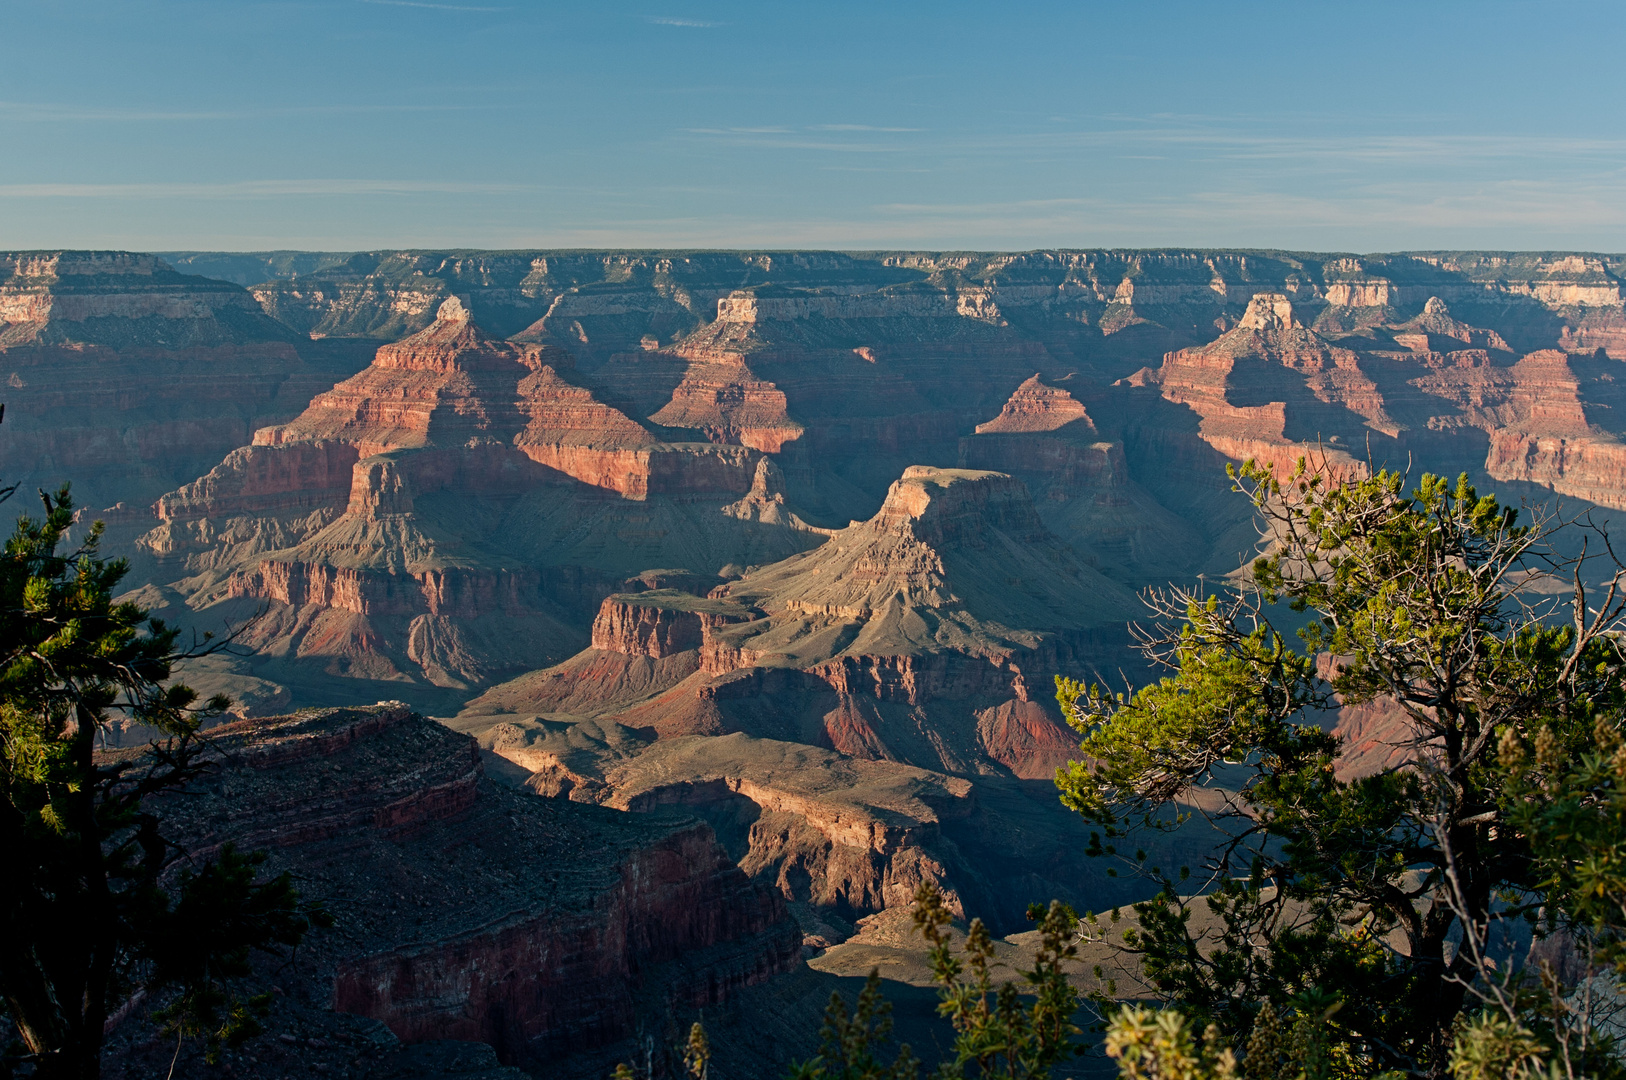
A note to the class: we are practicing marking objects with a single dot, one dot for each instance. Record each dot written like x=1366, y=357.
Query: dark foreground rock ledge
x=466, y=910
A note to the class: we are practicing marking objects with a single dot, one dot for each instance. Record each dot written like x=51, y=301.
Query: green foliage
x=690, y=1058
x=1571, y=802
x=996, y=1031
x=1299, y=1045
x=1160, y=1045
x=1417, y=597
x=90, y=919
x=1013, y=1031
x=204, y=943
x=1492, y=1047
x=850, y=1042
x=697, y=1052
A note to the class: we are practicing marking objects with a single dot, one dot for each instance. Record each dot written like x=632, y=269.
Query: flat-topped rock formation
x=923, y=638
x=467, y=910
x=122, y=300
x=1155, y=301
x=1249, y=408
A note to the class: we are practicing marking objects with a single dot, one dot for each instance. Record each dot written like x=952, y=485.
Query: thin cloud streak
x=692, y=24
x=1231, y=145
x=858, y=127
x=432, y=7
x=251, y=189
x=56, y=113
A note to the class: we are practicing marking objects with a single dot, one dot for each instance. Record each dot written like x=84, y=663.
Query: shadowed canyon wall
x=690, y=527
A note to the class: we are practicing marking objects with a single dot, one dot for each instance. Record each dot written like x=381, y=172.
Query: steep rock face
x=423, y=559
x=1250, y=410
x=1081, y=483
x=127, y=378
x=583, y=916
x=1435, y=330
x=117, y=299
x=965, y=549
x=1035, y=407
x=1110, y=308
x=660, y=623
x=888, y=642
x=443, y=385
x=1273, y=390
x=907, y=642
x=727, y=402
x=848, y=836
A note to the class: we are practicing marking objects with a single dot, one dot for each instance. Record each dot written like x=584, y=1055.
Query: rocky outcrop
x=597, y=303
x=728, y=403
x=1081, y=483
x=587, y=918
x=661, y=622
x=1035, y=407
x=1248, y=410
x=1435, y=330
x=911, y=637
x=121, y=300
x=848, y=836
x=945, y=541
x=128, y=378
x=354, y=519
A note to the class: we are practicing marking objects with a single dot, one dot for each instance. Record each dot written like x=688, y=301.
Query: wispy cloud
x=858, y=127
x=252, y=189
x=55, y=113
x=784, y=138
x=740, y=131
x=431, y=7
x=693, y=24
x=1197, y=138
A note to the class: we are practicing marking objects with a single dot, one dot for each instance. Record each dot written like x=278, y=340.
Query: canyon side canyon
x=717, y=597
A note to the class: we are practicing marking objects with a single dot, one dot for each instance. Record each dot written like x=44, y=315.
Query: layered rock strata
x=1081, y=484
x=902, y=651
x=1273, y=390
x=126, y=377
x=588, y=921
x=953, y=592
x=598, y=303
x=402, y=526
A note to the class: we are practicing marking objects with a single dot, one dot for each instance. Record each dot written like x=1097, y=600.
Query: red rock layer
x=450, y=385
x=873, y=645
x=127, y=424
x=730, y=404
x=674, y=900
x=660, y=623
x=580, y=908
x=1324, y=396
x=1037, y=407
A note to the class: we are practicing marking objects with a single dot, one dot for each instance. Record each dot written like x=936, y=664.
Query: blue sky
x=345, y=124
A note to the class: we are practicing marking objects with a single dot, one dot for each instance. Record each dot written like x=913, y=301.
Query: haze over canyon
x=738, y=581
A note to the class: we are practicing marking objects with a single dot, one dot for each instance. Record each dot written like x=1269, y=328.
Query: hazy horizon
x=197, y=125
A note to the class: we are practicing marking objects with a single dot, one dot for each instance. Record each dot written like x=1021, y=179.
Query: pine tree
x=91, y=918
